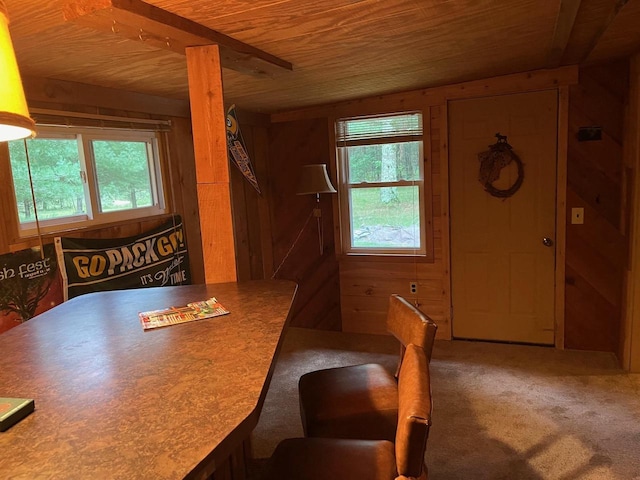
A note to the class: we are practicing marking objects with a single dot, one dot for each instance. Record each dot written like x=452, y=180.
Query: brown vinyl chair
x=329, y=458
x=361, y=401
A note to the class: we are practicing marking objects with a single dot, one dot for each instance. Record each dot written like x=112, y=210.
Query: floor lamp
x=315, y=180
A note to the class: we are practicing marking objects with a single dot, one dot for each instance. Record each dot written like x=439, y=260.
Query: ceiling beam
x=567, y=14
x=606, y=22
x=137, y=20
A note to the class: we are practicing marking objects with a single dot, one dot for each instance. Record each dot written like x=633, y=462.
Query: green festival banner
x=238, y=150
x=156, y=258
x=29, y=284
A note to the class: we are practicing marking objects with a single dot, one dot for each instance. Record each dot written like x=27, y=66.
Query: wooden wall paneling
x=212, y=166
x=8, y=223
x=595, y=98
x=588, y=324
x=180, y=188
x=595, y=250
x=561, y=213
x=241, y=215
x=252, y=201
x=251, y=218
x=246, y=215
x=334, y=176
x=260, y=160
x=367, y=282
x=359, y=288
x=428, y=179
x=364, y=315
x=296, y=253
x=442, y=136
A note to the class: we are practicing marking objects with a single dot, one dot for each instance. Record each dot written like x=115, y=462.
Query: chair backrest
x=410, y=325
x=414, y=413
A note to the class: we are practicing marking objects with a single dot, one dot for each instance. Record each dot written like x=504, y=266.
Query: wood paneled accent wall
x=251, y=215
x=366, y=283
x=596, y=252
x=296, y=250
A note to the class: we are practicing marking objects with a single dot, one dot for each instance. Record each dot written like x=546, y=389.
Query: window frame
x=345, y=188
x=94, y=217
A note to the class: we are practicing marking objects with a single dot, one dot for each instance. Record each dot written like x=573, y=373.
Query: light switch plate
x=577, y=215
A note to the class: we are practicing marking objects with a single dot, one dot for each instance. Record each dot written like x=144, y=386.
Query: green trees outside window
x=382, y=188
x=91, y=176
x=55, y=171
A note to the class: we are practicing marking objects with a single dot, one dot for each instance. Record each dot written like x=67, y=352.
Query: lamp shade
x=15, y=122
x=314, y=179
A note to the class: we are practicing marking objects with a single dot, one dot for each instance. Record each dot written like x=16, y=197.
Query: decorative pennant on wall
x=238, y=150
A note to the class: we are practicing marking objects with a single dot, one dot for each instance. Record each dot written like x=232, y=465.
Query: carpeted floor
x=500, y=411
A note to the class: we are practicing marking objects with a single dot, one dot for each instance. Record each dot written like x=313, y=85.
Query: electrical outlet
x=413, y=287
x=577, y=215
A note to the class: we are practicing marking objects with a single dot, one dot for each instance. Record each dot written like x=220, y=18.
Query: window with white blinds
x=382, y=188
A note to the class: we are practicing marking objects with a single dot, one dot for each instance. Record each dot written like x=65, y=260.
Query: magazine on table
x=174, y=315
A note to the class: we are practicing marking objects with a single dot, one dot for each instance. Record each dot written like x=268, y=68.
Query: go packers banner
x=156, y=258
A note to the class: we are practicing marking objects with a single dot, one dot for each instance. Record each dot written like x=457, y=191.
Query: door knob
x=547, y=242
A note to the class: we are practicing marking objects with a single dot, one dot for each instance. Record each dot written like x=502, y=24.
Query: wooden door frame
x=630, y=326
x=561, y=212
x=561, y=206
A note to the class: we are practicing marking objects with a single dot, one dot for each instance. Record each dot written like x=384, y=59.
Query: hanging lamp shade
x=15, y=122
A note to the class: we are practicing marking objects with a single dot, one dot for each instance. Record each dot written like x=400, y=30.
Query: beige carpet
x=500, y=411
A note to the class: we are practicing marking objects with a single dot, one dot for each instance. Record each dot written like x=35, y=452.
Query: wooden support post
x=212, y=165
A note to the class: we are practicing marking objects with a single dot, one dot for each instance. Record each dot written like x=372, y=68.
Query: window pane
x=384, y=163
x=55, y=170
x=122, y=171
x=385, y=217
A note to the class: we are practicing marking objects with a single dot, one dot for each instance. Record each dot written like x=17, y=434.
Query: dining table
x=116, y=401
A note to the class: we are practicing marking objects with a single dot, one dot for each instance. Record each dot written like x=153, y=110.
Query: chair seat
x=359, y=401
x=323, y=459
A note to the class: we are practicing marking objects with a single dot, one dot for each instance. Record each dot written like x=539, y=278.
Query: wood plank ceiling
x=339, y=49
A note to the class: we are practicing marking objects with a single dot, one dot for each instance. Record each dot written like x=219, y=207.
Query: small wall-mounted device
x=589, y=134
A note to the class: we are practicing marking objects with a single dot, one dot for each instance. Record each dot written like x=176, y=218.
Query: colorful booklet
x=12, y=410
x=174, y=315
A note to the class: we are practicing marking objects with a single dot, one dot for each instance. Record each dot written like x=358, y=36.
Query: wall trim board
x=50, y=91
x=505, y=84
x=630, y=325
x=445, y=228
x=561, y=213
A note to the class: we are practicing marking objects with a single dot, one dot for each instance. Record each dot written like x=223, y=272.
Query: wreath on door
x=493, y=161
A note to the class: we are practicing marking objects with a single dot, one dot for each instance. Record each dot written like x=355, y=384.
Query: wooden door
x=502, y=273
